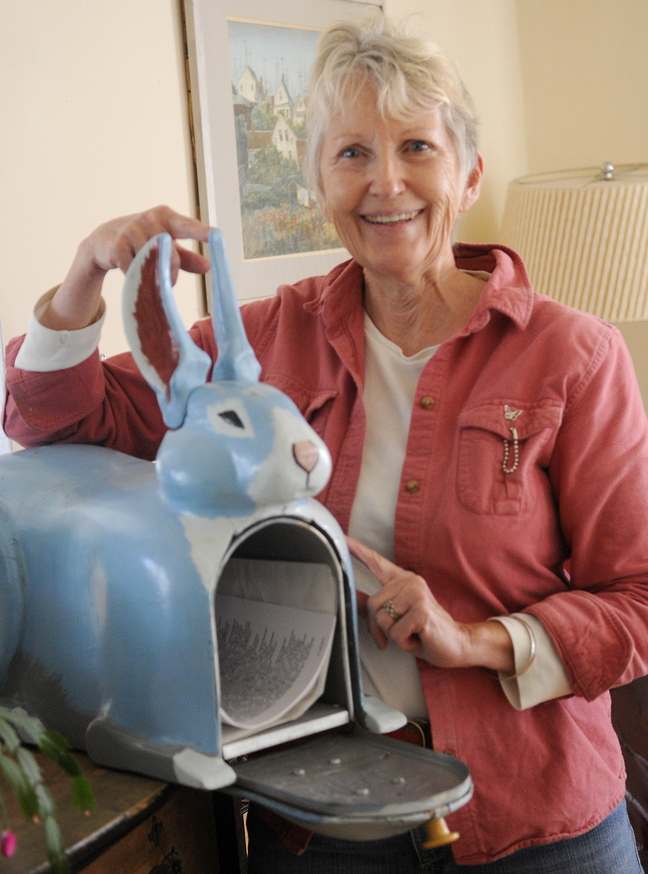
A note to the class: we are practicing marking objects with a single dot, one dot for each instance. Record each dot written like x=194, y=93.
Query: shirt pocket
x=504, y=450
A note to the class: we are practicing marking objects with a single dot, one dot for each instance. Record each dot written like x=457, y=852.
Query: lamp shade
x=583, y=235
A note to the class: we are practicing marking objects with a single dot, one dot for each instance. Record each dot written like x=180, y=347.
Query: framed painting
x=247, y=77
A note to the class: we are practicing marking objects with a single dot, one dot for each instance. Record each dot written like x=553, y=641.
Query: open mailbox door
x=356, y=785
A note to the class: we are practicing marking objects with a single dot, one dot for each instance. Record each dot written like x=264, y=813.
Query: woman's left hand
x=406, y=611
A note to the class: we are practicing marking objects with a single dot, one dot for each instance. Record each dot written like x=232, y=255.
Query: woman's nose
x=387, y=176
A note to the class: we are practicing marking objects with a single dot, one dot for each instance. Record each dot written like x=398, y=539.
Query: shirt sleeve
x=599, y=474
x=545, y=678
x=45, y=350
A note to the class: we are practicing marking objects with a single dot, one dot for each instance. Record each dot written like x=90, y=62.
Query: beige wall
x=92, y=101
x=585, y=73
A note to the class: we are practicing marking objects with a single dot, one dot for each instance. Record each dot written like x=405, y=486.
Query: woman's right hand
x=114, y=245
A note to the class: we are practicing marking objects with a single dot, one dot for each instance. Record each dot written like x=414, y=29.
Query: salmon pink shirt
x=524, y=489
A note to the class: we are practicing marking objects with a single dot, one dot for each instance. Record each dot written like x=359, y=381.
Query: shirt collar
x=507, y=291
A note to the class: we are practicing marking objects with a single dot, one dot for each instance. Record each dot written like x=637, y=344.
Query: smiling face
x=393, y=188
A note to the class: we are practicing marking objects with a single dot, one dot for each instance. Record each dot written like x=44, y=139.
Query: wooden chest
x=138, y=826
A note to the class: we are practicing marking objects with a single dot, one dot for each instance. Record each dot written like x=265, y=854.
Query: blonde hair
x=410, y=74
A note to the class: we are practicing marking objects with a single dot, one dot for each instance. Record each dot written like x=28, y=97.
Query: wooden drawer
x=139, y=826
x=178, y=838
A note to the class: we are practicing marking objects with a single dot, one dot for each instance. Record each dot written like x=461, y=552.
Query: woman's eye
x=419, y=146
x=350, y=152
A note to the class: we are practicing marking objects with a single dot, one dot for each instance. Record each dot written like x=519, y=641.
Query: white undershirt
x=390, y=386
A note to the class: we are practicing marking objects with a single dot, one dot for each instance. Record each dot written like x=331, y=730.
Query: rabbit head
x=235, y=444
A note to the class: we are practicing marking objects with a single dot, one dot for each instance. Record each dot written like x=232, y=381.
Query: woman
x=490, y=456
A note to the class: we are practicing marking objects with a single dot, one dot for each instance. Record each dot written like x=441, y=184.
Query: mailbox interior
x=347, y=783
x=295, y=541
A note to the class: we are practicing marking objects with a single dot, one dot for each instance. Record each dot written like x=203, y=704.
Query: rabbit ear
x=236, y=358
x=170, y=361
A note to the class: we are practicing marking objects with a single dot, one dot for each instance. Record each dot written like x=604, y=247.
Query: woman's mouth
x=392, y=219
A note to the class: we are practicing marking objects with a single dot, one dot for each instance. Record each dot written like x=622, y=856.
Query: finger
x=361, y=601
x=383, y=569
x=193, y=262
x=385, y=614
x=174, y=266
x=186, y=259
x=376, y=631
x=138, y=229
x=380, y=628
x=163, y=218
x=389, y=608
x=129, y=242
x=181, y=227
x=403, y=631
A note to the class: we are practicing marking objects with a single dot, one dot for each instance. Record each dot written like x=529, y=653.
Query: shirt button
x=412, y=486
x=427, y=402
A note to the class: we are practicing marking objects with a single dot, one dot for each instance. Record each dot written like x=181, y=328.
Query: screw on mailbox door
x=438, y=834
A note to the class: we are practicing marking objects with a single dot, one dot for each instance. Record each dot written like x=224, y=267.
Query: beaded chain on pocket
x=511, y=415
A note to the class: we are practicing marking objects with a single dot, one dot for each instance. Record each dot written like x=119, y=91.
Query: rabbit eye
x=229, y=417
x=232, y=417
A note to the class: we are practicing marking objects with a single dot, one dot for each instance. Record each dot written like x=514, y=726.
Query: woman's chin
x=398, y=270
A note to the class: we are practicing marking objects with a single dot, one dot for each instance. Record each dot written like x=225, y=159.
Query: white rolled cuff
x=545, y=679
x=45, y=350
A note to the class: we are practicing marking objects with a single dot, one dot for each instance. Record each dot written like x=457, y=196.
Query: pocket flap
x=499, y=416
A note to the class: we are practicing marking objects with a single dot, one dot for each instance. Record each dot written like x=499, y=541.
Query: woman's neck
x=426, y=314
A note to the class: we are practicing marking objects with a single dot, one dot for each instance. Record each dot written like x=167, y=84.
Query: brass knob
x=438, y=834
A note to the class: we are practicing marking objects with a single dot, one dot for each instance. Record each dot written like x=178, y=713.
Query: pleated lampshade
x=583, y=235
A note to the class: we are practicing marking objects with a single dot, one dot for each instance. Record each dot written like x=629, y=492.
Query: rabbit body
x=112, y=640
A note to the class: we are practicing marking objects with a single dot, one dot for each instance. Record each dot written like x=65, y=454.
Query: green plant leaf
x=13, y=773
x=82, y=795
x=56, y=747
x=54, y=847
x=53, y=836
x=45, y=802
x=29, y=766
x=8, y=735
x=30, y=727
x=28, y=801
x=52, y=743
x=23, y=774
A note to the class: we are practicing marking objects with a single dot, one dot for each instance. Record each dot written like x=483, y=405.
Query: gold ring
x=391, y=611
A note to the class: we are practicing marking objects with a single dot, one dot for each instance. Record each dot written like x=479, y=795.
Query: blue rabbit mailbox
x=185, y=619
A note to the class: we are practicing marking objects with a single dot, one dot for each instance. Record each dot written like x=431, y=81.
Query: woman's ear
x=473, y=185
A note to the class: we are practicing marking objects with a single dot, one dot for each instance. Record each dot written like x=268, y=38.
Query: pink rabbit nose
x=306, y=454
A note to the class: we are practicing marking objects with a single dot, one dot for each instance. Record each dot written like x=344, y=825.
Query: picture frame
x=224, y=39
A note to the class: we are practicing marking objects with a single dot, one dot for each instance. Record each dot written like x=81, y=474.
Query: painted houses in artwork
x=282, y=103
x=249, y=86
x=285, y=140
